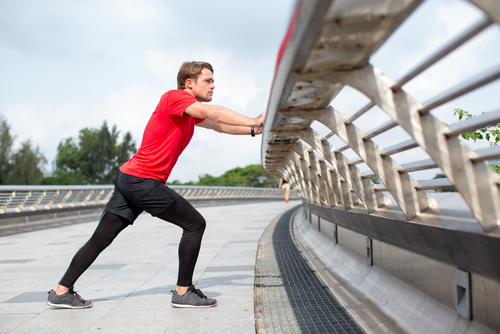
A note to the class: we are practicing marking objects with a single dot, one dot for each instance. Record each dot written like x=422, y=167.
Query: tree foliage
x=26, y=164
x=6, y=142
x=22, y=167
x=94, y=159
x=249, y=176
x=491, y=134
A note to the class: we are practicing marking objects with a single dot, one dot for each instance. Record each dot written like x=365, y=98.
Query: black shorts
x=133, y=195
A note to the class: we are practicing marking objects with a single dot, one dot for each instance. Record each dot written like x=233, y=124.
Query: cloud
x=45, y=123
x=236, y=82
x=71, y=65
x=131, y=108
x=212, y=153
x=232, y=80
x=139, y=11
x=427, y=30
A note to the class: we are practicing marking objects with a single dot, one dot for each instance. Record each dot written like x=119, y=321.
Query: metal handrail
x=22, y=199
x=317, y=63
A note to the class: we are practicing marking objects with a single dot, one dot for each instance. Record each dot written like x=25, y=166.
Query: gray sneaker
x=69, y=300
x=192, y=298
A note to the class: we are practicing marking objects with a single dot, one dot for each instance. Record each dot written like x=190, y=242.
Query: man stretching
x=140, y=183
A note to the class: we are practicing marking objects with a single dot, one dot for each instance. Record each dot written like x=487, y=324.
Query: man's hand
x=259, y=122
x=257, y=130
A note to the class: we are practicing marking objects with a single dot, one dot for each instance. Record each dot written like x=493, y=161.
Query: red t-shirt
x=167, y=134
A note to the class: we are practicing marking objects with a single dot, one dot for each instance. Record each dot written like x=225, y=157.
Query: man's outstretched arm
x=229, y=129
x=223, y=115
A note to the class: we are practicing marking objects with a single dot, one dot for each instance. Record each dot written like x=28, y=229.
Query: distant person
x=140, y=183
x=286, y=188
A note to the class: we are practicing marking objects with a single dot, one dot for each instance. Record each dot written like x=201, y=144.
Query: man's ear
x=189, y=83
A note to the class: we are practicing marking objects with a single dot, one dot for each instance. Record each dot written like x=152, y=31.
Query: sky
x=427, y=30
x=66, y=65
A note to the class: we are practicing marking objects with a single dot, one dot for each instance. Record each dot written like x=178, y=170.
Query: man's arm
x=223, y=115
x=229, y=129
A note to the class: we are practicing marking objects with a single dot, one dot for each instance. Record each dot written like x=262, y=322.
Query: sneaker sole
x=68, y=306
x=191, y=306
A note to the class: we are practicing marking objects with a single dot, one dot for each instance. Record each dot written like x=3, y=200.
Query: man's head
x=191, y=70
x=197, y=78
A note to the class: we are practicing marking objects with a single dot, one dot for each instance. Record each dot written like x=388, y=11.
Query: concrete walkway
x=130, y=282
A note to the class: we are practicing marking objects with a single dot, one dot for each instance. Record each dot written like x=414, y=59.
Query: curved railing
x=328, y=47
x=19, y=200
x=359, y=177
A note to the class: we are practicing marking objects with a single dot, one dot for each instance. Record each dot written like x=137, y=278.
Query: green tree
x=6, y=142
x=249, y=176
x=95, y=159
x=22, y=167
x=490, y=134
x=67, y=165
x=26, y=166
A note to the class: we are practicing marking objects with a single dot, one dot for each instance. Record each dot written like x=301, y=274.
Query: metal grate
x=289, y=296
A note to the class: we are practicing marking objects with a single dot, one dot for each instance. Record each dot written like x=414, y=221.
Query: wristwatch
x=252, y=131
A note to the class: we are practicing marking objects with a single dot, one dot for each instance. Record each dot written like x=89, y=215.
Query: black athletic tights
x=180, y=213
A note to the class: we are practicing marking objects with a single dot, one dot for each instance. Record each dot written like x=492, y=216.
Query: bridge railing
x=361, y=174
x=19, y=200
x=328, y=49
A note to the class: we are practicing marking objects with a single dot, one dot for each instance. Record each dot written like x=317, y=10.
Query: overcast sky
x=429, y=28
x=66, y=65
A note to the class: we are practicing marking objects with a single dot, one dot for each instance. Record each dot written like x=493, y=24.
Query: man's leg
x=63, y=295
x=109, y=227
x=183, y=214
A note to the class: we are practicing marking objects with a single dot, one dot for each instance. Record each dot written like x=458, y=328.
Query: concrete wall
x=431, y=277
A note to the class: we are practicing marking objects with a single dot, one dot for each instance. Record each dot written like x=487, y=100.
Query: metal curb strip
x=289, y=297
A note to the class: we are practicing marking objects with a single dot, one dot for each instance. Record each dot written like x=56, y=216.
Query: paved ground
x=130, y=282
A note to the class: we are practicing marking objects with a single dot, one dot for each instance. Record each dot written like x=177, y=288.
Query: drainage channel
x=289, y=297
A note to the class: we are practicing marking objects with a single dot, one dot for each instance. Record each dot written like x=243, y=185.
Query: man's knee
x=200, y=223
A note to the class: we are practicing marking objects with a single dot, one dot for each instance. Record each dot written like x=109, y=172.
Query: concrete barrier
x=389, y=289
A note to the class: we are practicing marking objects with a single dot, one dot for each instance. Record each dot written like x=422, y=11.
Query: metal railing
x=19, y=200
x=332, y=151
x=330, y=46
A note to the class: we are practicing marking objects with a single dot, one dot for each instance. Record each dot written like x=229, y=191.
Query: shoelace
x=199, y=293
x=77, y=296
x=195, y=291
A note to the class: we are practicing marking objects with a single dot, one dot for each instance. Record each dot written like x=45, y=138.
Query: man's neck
x=191, y=93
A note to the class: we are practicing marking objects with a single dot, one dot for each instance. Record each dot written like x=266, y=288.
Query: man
x=140, y=183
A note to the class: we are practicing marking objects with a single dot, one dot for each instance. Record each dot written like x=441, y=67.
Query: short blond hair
x=191, y=70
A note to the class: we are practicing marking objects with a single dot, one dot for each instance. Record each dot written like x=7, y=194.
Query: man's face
x=203, y=87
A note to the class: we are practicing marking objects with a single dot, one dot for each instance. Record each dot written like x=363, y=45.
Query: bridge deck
x=130, y=282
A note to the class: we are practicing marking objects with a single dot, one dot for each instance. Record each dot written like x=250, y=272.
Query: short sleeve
x=178, y=101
